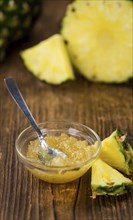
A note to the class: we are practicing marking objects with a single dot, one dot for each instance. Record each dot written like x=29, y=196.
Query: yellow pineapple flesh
x=49, y=60
x=98, y=35
x=105, y=180
x=117, y=152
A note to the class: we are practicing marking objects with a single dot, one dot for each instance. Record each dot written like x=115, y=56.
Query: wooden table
x=102, y=107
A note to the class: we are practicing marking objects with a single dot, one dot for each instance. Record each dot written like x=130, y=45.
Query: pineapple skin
x=117, y=152
x=16, y=18
x=98, y=35
x=105, y=180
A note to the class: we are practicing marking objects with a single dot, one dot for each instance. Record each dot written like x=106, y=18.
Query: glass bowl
x=58, y=174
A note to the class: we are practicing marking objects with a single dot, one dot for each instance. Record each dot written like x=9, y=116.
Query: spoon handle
x=18, y=98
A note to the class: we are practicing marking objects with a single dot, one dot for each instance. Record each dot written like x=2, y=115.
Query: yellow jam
x=77, y=151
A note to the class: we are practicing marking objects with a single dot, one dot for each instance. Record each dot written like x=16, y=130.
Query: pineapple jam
x=77, y=151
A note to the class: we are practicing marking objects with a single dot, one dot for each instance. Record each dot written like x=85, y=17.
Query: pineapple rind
x=116, y=190
x=99, y=39
x=117, y=152
x=105, y=180
x=126, y=149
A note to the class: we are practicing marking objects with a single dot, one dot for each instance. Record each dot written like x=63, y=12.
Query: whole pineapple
x=98, y=35
x=16, y=17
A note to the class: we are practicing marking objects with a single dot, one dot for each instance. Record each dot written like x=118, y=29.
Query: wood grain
x=102, y=107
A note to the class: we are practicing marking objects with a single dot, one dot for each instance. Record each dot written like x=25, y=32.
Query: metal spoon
x=46, y=152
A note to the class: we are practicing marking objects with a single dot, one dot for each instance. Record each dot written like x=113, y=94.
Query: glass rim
x=39, y=165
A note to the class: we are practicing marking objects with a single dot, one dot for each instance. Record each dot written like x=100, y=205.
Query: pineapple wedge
x=49, y=60
x=98, y=35
x=105, y=180
x=117, y=152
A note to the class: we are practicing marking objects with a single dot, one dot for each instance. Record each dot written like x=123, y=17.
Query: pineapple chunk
x=105, y=180
x=98, y=35
x=117, y=152
x=49, y=60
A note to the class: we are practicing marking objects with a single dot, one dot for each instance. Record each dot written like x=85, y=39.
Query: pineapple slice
x=105, y=180
x=49, y=60
x=117, y=152
x=98, y=35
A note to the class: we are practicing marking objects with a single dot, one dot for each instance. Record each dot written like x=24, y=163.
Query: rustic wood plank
x=100, y=106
